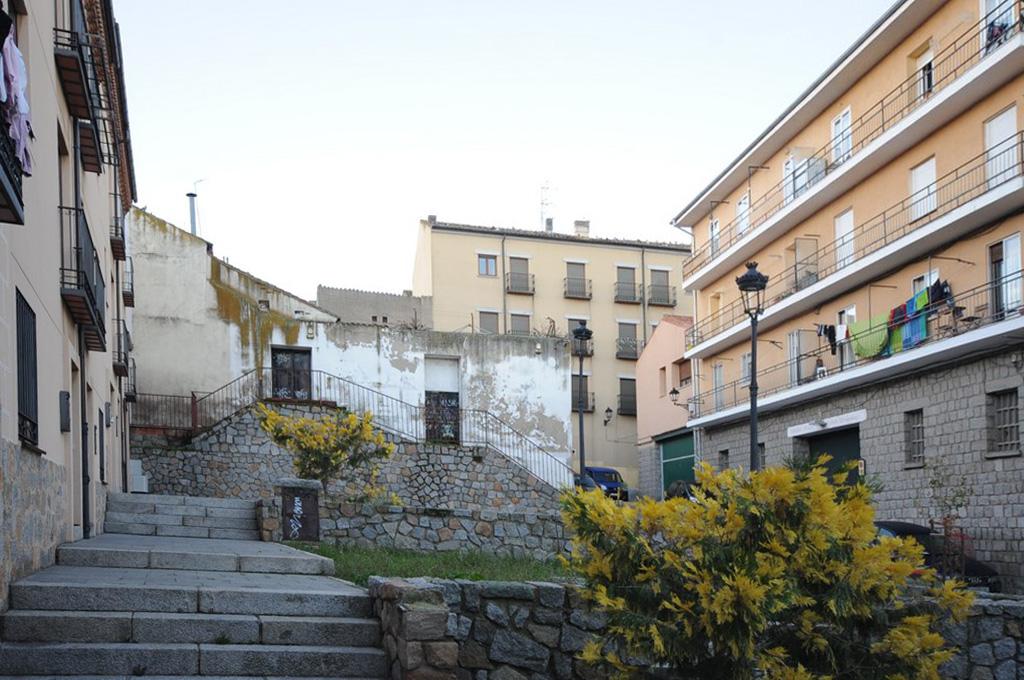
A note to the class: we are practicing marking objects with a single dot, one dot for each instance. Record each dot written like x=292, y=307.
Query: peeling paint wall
x=220, y=329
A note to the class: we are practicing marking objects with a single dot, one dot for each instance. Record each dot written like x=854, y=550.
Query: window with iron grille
x=28, y=388
x=913, y=426
x=1004, y=422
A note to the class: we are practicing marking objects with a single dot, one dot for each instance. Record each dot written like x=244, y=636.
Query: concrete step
x=121, y=518
x=319, y=631
x=123, y=528
x=77, y=658
x=138, y=552
x=95, y=589
x=292, y=661
x=202, y=501
x=195, y=628
x=20, y=625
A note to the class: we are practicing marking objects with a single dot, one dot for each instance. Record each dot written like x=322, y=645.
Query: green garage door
x=677, y=459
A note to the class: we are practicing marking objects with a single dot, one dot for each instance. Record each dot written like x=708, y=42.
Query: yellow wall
x=459, y=293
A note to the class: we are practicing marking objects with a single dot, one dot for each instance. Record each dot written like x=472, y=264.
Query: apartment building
x=522, y=282
x=65, y=277
x=885, y=207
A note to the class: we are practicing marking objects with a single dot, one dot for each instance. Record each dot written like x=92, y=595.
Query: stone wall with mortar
x=33, y=511
x=541, y=536
x=955, y=405
x=487, y=630
x=482, y=630
x=236, y=459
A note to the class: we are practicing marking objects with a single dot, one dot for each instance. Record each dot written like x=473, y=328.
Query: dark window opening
x=28, y=387
x=291, y=373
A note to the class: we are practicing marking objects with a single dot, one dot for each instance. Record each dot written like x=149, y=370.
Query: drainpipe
x=82, y=374
x=504, y=291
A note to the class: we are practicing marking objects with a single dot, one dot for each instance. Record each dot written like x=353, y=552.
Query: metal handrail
x=577, y=288
x=628, y=348
x=518, y=282
x=629, y=293
x=393, y=416
x=964, y=312
x=973, y=179
x=660, y=294
x=950, y=63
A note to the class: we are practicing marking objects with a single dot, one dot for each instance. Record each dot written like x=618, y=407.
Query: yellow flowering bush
x=776, y=574
x=324, y=448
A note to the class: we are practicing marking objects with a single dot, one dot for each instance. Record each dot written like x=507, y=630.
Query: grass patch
x=359, y=564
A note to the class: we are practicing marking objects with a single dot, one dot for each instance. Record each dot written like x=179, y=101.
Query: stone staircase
x=146, y=604
x=183, y=516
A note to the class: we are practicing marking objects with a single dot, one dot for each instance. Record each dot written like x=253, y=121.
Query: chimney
x=431, y=219
x=549, y=224
x=582, y=228
x=192, y=210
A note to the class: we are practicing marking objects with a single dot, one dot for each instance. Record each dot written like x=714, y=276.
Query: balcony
x=577, y=289
x=79, y=60
x=81, y=279
x=629, y=293
x=117, y=248
x=131, y=392
x=661, y=295
x=627, y=405
x=628, y=348
x=128, y=283
x=12, y=206
x=519, y=283
x=588, y=402
x=582, y=348
x=978, y=62
x=970, y=322
x=979, y=191
x=123, y=350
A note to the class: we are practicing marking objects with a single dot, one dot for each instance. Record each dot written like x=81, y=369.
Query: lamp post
x=582, y=335
x=752, y=284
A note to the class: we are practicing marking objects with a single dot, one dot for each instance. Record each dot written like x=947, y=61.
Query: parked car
x=976, y=574
x=586, y=482
x=610, y=481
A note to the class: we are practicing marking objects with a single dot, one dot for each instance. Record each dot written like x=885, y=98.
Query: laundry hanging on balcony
x=13, y=99
x=870, y=337
x=908, y=323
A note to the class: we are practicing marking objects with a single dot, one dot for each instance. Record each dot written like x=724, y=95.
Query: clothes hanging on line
x=15, y=103
x=870, y=337
x=827, y=331
x=916, y=329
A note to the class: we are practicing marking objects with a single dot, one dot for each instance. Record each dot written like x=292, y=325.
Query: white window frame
x=983, y=12
x=743, y=213
x=1001, y=162
x=714, y=235
x=924, y=199
x=745, y=363
x=842, y=141
x=846, y=316
x=846, y=245
x=925, y=280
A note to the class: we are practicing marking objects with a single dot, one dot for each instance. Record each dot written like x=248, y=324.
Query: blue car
x=610, y=481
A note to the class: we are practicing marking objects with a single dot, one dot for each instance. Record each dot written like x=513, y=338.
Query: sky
x=321, y=131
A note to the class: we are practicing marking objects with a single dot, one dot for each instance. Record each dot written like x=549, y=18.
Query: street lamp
x=752, y=284
x=582, y=335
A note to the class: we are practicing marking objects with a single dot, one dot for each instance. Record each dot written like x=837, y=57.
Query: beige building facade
x=884, y=206
x=65, y=283
x=542, y=283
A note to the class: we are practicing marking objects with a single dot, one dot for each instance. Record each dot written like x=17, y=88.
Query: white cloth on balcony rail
x=15, y=103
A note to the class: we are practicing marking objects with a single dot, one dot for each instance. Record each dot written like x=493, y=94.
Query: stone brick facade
x=649, y=460
x=236, y=459
x=956, y=426
x=33, y=513
x=485, y=630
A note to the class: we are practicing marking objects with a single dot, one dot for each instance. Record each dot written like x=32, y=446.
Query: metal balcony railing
x=12, y=206
x=81, y=278
x=629, y=292
x=661, y=295
x=950, y=64
x=588, y=401
x=983, y=173
x=628, y=348
x=627, y=405
x=128, y=283
x=130, y=386
x=582, y=348
x=578, y=289
x=964, y=312
x=123, y=349
x=519, y=283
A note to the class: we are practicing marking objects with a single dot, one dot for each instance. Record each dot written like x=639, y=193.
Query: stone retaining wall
x=538, y=535
x=236, y=459
x=487, y=630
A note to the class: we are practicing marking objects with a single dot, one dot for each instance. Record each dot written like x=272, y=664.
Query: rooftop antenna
x=545, y=203
x=192, y=206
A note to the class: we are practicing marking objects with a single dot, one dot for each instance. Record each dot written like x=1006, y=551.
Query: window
x=843, y=320
x=924, y=281
x=682, y=373
x=625, y=285
x=627, y=347
x=717, y=383
x=519, y=324
x=745, y=368
x=662, y=381
x=761, y=456
x=519, y=275
x=291, y=375
x=743, y=213
x=28, y=387
x=101, y=448
x=925, y=74
x=723, y=459
x=1001, y=147
x=661, y=290
x=842, y=137
x=581, y=386
x=1004, y=422
x=487, y=265
x=488, y=322
x=714, y=235
x=999, y=19
x=922, y=189
x=576, y=280
x=1005, y=276
x=627, y=396
x=845, y=244
x=913, y=427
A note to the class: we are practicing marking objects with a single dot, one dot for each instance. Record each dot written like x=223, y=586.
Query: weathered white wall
x=203, y=340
